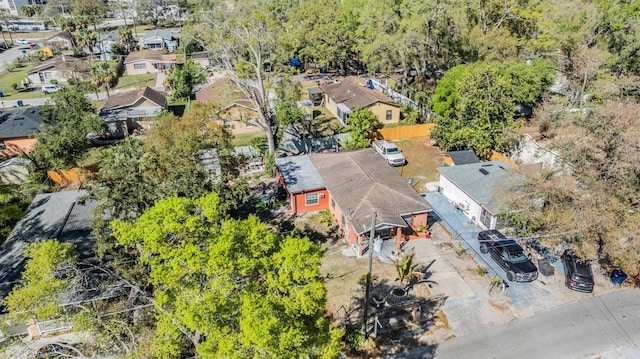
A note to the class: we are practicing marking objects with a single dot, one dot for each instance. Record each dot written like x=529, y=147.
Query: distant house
x=148, y=62
x=131, y=112
x=159, y=39
x=203, y=58
x=235, y=109
x=60, y=68
x=104, y=44
x=63, y=40
x=453, y=158
x=352, y=186
x=478, y=189
x=17, y=128
x=352, y=93
x=65, y=216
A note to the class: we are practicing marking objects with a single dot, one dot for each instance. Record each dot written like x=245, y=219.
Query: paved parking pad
x=543, y=293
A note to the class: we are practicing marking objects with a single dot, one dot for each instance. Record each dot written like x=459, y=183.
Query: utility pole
x=372, y=233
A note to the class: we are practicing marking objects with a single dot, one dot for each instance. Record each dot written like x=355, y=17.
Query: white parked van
x=50, y=88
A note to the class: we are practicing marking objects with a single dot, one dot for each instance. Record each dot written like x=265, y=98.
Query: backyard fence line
x=412, y=131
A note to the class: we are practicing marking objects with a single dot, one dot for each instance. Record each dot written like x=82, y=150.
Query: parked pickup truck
x=390, y=152
x=509, y=255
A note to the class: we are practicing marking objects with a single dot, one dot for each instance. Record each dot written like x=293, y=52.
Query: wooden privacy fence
x=412, y=131
x=497, y=156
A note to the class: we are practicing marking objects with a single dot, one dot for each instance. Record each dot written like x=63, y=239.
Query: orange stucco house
x=354, y=185
x=17, y=128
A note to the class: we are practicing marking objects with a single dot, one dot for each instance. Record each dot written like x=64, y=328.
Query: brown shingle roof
x=354, y=93
x=52, y=62
x=361, y=182
x=224, y=93
x=130, y=98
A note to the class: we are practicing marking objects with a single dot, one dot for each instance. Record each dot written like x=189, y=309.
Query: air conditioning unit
x=321, y=195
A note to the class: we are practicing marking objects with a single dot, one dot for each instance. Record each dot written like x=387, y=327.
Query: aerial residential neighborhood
x=333, y=179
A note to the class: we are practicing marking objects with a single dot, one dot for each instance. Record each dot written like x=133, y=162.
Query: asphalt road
x=41, y=101
x=605, y=327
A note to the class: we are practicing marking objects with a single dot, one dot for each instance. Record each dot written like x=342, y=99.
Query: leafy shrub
x=54, y=82
x=14, y=86
x=482, y=271
x=353, y=336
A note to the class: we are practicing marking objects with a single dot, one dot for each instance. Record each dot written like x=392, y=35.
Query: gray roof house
x=104, y=43
x=65, y=216
x=159, y=39
x=17, y=128
x=479, y=189
x=299, y=174
x=132, y=110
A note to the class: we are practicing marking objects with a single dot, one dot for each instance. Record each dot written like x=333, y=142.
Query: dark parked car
x=578, y=275
x=509, y=255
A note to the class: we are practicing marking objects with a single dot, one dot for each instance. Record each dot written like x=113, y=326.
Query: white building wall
x=459, y=198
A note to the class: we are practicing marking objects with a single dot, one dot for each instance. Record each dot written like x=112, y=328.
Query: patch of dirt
x=499, y=306
x=423, y=159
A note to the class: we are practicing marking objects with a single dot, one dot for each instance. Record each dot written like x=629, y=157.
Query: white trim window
x=139, y=66
x=312, y=199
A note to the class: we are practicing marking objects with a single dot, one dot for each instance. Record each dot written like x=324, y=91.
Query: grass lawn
x=16, y=76
x=244, y=139
x=136, y=80
x=30, y=35
x=423, y=159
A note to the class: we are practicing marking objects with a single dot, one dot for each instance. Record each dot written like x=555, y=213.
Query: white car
x=22, y=41
x=50, y=88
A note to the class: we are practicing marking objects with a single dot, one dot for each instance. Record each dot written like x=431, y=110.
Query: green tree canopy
x=38, y=294
x=183, y=78
x=224, y=287
x=363, y=126
x=12, y=206
x=476, y=103
x=62, y=142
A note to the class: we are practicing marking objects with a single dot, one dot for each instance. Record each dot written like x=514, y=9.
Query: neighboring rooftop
x=23, y=122
x=224, y=93
x=130, y=98
x=299, y=174
x=461, y=157
x=485, y=182
x=63, y=216
x=52, y=62
x=361, y=182
x=354, y=93
x=149, y=55
x=165, y=34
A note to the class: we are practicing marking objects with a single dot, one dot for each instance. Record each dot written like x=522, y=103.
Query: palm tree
x=87, y=38
x=125, y=36
x=104, y=74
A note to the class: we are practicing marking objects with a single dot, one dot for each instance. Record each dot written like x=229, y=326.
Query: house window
x=333, y=203
x=485, y=218
x=139, y=66
x=389, y=115
x=155, y=46
x=312, y=199
x=47, y=75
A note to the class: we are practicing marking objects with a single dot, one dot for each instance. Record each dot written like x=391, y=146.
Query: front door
x=41, y=75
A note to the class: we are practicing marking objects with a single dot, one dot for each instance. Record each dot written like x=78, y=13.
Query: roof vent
x=483, y=171
x=487, y=165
